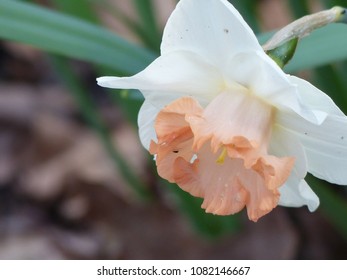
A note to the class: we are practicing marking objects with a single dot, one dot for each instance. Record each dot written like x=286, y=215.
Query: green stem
x=284, y=53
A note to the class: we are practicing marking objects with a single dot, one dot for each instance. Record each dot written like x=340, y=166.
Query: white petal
x=284, y=144
x=148, y=114
x=295, y=192
x=257, y=72
x=314, y=98
x=325, y=145
x=212, y=28
x=146, y=119
x=180, y=73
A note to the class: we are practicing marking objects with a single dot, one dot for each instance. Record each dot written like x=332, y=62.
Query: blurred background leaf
x=65, y=35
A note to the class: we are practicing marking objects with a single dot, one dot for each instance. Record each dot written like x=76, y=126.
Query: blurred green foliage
x=72, y=29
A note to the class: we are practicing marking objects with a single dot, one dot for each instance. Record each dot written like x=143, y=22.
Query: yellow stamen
x=221, y=158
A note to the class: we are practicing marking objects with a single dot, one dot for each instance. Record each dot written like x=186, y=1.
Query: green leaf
x=299, y=8
x=81, y=8
x=332, y=3
x=150, y=31
x=68, y=36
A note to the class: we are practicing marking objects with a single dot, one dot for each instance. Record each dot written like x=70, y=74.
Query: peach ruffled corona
x=226, y=124
x=220, y=153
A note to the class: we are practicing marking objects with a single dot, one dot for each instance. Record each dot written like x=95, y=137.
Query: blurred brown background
x=62, y=198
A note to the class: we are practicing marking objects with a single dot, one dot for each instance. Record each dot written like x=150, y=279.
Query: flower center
x=222, y=156
x=229, y=139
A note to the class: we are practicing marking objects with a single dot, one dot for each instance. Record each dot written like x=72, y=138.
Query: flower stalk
x=305, y=25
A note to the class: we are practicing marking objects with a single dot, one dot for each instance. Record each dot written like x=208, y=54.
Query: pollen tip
x=221, y=158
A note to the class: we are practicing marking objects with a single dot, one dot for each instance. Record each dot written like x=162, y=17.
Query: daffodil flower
x=226, y=124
